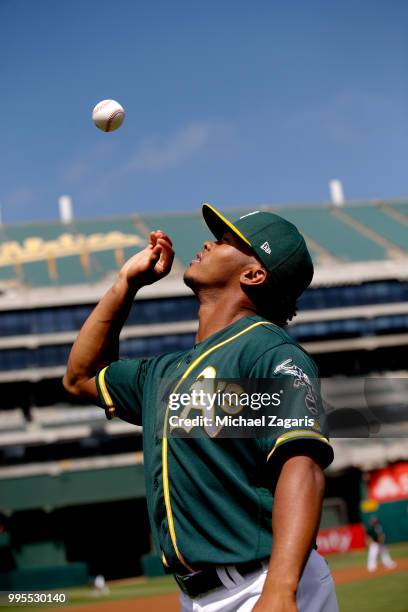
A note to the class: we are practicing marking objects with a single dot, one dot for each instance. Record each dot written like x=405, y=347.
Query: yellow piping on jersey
x=102, y=384
x=300, y=433
x=164, y=560
x=165, y=469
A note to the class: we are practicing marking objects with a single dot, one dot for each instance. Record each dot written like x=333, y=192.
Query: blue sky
x=232, y=102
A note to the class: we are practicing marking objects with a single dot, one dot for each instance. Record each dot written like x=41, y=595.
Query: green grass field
x=387, y=593
x=382, y=594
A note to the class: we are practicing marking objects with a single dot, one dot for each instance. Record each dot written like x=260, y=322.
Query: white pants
x=315, y=591
x=375, y=549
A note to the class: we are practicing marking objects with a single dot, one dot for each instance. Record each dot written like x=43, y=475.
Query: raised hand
x=151, y=264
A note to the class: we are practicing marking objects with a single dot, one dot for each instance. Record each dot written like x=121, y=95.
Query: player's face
x=219, y=263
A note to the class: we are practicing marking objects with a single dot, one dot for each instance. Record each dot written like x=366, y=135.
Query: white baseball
x=108, y=115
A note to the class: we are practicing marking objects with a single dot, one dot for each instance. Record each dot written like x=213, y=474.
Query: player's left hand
x=279, y=602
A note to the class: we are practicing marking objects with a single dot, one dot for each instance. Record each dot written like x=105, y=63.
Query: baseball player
x=210, y=497
x=375, y=537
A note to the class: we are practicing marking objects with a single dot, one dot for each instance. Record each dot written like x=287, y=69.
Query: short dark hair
x=272, y=301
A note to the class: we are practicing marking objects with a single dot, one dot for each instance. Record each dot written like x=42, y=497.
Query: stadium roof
x=355, y=237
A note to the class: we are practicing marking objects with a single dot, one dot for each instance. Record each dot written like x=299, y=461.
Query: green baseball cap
x=276, y=242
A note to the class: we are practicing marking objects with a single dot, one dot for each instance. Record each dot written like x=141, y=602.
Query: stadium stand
x=83, y=252
x=379, y=221
x=341, y=241
x=58, y=456
x=399, y=207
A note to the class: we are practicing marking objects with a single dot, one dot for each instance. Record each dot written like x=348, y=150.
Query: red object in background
x=389, y=484
x=340, y=539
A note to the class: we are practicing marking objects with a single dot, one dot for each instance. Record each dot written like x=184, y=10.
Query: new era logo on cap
x=265, y=247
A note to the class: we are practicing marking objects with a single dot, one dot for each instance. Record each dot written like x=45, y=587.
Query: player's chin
x=188, y=277
x=191, y=276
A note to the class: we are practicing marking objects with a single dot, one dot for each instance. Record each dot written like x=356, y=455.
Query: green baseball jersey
x=210, y=497
x=375, y=532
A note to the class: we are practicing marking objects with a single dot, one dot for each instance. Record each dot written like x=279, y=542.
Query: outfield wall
x=385, y=495
x=72, y=488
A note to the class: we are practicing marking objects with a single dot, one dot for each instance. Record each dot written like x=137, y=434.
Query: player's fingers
x=164, y=236
x=166, y=255
x=153, y=237
x=166, y=245
x=155, y=252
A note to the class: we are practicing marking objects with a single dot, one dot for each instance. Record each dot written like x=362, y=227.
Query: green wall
x=394, y=518
x=71, y=488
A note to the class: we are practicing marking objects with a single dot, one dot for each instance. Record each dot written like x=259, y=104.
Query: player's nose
x=207, y=245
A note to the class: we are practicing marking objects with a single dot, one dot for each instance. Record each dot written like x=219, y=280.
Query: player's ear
x=252, y=275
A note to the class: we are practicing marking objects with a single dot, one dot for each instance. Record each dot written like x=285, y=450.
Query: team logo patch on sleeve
x=301, y=381
x=288, y=367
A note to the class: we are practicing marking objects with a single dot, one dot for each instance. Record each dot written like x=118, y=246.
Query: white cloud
x=83, y=167
x=348, y=118
x=76, y=171
x=157, y=156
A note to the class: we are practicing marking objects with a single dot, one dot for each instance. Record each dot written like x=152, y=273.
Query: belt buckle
x=179, y=580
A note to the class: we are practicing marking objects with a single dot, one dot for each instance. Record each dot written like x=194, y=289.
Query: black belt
x=206, y=580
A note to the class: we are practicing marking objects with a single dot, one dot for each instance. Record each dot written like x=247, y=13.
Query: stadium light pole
x=336, y=192
x=65, y=209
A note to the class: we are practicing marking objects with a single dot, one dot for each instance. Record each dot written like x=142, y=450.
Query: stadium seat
x=380, y=222
x=340, y=239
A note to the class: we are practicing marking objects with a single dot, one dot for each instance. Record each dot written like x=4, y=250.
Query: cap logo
x=265, y=247
x=249, y=214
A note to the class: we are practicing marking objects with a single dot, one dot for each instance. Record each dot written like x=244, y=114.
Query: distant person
x=100, y=586
x=376, y=546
